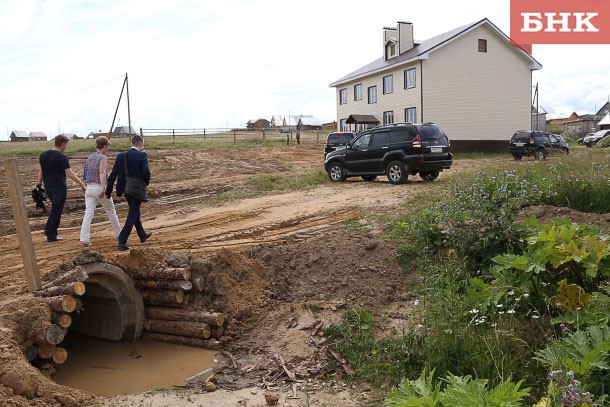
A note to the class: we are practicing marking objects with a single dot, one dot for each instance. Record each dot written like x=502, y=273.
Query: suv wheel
x=396, y=172
x=517, y=157
x=336, y=172
x=540, y=154
x=369, y=177
x=429, y=175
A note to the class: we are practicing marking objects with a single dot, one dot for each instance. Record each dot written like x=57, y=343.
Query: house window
x=410, y=78
x=390, y=50
x=342, y=96
x=411, y=115
x=388, y=84
x=360, y=127
x=358, y=92
x=342, y=125
x=372, y=94
x=388, y=117
x=482, y=45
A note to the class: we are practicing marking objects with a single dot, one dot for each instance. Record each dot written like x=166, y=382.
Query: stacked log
x=61, y=297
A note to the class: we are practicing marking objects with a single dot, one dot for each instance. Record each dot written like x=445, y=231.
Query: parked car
x=336, y=140
x=396, y=150
x=581, y=140
x=591, y=139
x=537, y=144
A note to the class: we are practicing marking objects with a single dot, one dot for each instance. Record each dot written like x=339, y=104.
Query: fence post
x=317, y=135
x=174, y=136
x=204, y=134
x=234, y=137
x=263, y=134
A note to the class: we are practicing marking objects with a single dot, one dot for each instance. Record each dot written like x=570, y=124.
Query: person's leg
x=108, y=206
x=58, y=200
x=90, y=204
x=132, y=216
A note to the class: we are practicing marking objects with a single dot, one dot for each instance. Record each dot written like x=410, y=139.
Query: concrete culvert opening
x=112, y=308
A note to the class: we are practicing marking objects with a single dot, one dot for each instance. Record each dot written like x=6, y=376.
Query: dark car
x=592, y=138
x=337, y=139
x=396, y=150
x=537, y=144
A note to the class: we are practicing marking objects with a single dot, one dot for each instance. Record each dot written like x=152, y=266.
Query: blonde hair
x=101, y=141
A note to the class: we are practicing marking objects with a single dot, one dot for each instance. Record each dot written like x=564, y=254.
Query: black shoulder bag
x=135, y=188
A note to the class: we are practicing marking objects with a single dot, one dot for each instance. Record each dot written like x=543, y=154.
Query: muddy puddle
x=109, y=368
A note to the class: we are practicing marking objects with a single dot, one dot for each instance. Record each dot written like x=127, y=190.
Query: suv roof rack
x=390, y=125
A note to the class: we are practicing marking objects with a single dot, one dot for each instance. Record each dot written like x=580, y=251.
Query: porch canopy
x=361, y=119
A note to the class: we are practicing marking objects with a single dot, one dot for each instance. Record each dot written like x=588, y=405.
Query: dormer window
x=390, y=49
x=482, y=45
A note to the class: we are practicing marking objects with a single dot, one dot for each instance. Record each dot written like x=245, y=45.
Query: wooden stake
x=183, y=340
x=60, y=355
x=163, y=296
x=22, y=226
x=53, y=334
x=61, y=319
x=167, y=273
x=46, y=350
x=165, y=284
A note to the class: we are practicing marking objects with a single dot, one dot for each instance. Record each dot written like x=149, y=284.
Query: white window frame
x=343, y=125
x=410, y=78
x=388, y=84
x=388, y=117
x=342, y=96
x=411, y=114
x=372, y=94
x=358, y=91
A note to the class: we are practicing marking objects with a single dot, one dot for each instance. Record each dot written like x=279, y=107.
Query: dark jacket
x=137, y=166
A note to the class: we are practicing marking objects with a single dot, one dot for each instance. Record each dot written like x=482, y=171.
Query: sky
x=219, y=63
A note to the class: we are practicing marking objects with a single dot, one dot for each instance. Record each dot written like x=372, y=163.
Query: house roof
x=605, y=120
x=19, y=133
x=124, y=129
x=37, y=134
x=361, y=119
x=310, y=121
x=421, y=51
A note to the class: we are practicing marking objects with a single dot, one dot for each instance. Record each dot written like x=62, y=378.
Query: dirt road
x=203, y=201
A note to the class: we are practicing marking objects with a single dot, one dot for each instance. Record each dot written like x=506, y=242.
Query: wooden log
x=52, y=334
x=74, y=288
x=30, y=352
x=217, y=331
x=197, y=283
x=61, y=319
x=167, y=273
x=76, y=274
x=183, y=340
x=182, y=328
x=62, y=303
x=46, y=350
x=60, y=355
x=165, y=284
x=167, y=314
x=163, y=296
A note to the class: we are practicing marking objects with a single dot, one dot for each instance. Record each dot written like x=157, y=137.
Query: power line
x=62, y=93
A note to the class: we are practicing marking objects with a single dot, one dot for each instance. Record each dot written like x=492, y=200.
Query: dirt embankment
x=283, y=266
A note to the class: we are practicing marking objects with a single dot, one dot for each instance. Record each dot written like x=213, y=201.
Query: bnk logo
x=560, y=21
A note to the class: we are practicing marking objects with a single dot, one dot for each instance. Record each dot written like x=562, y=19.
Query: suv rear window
x=402, y=134
x=340, y=137
x=431, y=132
x=522, y=137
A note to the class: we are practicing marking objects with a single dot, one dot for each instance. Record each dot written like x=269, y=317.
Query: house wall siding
x=462, y=85
x=397, y=101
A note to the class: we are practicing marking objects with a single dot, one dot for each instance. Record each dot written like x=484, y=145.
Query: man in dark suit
x=137, y=167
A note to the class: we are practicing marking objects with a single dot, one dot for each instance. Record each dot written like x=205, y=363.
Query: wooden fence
x=235, y=135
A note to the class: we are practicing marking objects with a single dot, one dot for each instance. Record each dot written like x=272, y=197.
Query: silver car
x=595, y=137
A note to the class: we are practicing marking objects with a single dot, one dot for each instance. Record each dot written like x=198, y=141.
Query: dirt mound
x=545, y=212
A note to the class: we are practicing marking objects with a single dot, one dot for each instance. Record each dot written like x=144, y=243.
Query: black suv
x=336, y=139
x=396, y=150
x=537, y=144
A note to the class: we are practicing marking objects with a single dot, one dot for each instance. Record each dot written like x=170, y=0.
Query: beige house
x=470, y=81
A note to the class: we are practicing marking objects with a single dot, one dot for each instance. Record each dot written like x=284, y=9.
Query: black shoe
x=146, y=237
x=123, y=246
x=54, y=239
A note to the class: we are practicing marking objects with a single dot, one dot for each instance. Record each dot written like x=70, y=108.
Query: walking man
x=53, y=168
x=137, y=167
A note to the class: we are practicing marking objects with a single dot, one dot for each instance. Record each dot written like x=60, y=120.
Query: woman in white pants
x=96, y=170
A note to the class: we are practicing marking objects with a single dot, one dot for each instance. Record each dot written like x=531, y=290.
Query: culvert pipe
x=112, y=307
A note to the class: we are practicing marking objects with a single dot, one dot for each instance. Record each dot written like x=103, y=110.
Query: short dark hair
x=60, y=139
x=136, y=140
